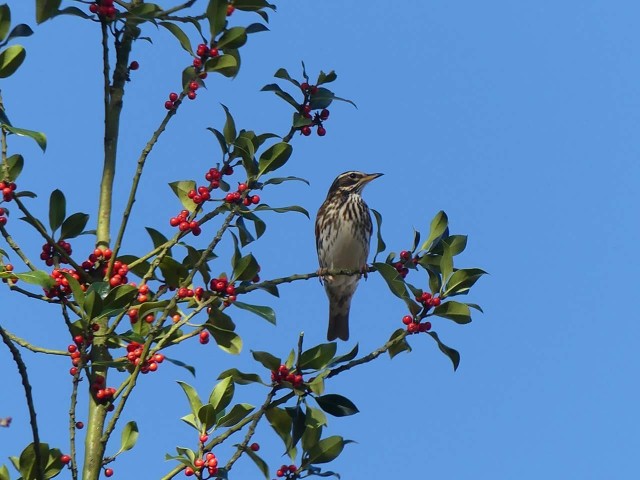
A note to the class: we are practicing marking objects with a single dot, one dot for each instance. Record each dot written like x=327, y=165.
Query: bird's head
x=351, y=182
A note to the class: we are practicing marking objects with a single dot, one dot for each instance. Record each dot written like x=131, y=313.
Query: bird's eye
x=352, y=176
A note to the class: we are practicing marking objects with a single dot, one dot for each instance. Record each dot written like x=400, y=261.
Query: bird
x=343, y=232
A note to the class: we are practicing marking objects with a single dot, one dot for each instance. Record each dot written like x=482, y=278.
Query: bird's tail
x=338, y=323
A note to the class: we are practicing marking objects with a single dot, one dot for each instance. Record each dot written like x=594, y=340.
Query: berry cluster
x=62, y=288
x=204, y=337
x=305, y=110
x=118, y=274
x=283, y=374
x=181, y=221
x=210, y=462
x=99, y=258
x=8, y=268
x=414, y=325
x=134, y=352
x=7, y=189
x=287, y=471
x=104, y=9
x=133, y=316
x=242, y=196
x=203, y=52
x=103, y=394
x=75, y=353
x=224, y=288
x=49, y=251
x=401, y=266
x=184, y=292
x=200, y=195
x=427, y=300
x=3, y=218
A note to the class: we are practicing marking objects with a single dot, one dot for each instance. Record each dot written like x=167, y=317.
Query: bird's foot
x=364, y=270
x=322, y=275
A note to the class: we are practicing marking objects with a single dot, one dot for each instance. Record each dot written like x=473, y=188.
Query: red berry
x=279, y=473
x=79, y=425
x=191, y=95
x=65, y=459
x=193, y=85
x=168, y=105
x=413, y=328
x=321, y=131
x=108, y=472
x=292, y=468
x=72, y=348
x=304, y=86
x=78, y=339
x=324, y=114
x=188, y=471
x=313, y=89
x=73, y=371
x=213, y=52
x=197, y=62
x=407, y=319
x=202, y=50
x=230, y=10
x=306, y=130
x=134, y=65
x=435, y=301
x=93, y=8
x=204, y=438
x=255, y=447
x=404, y=255
x=173, y=96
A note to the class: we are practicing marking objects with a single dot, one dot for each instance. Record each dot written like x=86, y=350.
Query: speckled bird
x=343, y=233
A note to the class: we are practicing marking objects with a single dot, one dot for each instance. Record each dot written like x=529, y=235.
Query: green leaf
x=157, y=238
x=39, y=137
x=20, y=30
x=207, y=416
x=446, y=263
x=182, y=188
x=234, y=37
x=4, y=473
x=27, y=462
x=291, y=208
x=221, y=139
x=5, y=21
x=217, y=15
x=237, y=413
x=456, y=311
x=192, y=396
x=453, y=355
x=346, y=357
x=245, y=268
x=15, y=163
x=192, y=421
x=298, y=424
x=457, y=243
x=337, y=405
x=93, y=304
x=252, y=5
x=229, y=129
x=326, y=77
x=74, y=11
x=120, y=296
x=311, y=435
x=393, y=279
x=265, y=312
x=282, y=73
x=57, y=209
x=37, y=277
x=462, y=280
x=275, y=88
x=150, y=307
x=226, y=65
x=381, y=246
x=178, y=363
x=222, y=394
x=400, y=344
x=256, y=28
x=241, y=378
x=74, y=225
x=435, y=281
x=34, y=222
x=267, y=360
x=179, y=34
x=281, y=423
x=279, y=180
x=323, y=98
x=129, y=436
x=45, y=9
x=317, y=357
x=260, y=463
x=78, y=293
x=438, y=227
x=326, y=450
x=274, y=157
x=227, y=340
x=245, y=236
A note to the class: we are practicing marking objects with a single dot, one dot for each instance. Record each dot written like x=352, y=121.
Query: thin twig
x=14, y=246
x=22, y=370
x=23, y=343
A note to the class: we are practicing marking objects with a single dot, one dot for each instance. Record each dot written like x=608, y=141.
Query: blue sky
x=519, y=119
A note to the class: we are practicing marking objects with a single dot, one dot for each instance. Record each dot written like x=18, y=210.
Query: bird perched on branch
x=343, y=232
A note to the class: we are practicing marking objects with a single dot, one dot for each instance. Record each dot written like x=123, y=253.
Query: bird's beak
x=371, y=176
